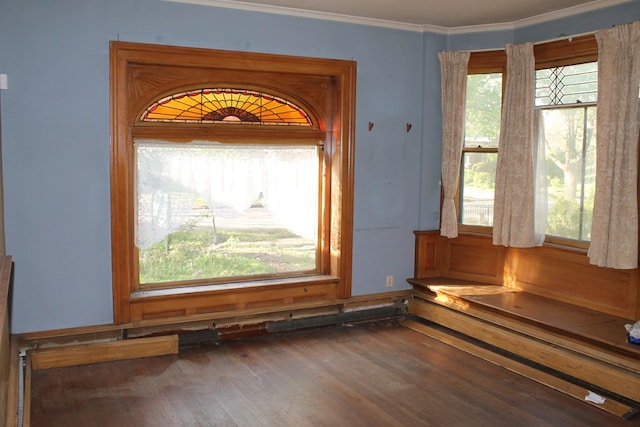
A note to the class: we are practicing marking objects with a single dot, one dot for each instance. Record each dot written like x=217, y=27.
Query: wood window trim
x=141, y=73
x=567, y=51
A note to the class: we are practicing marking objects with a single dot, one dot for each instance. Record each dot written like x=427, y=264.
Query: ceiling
x=437, y=14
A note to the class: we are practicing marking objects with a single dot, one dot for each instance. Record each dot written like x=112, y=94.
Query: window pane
x=484, y=97
x=207, y=210
x=570, y=153
x=567, y=84
x=478, y=191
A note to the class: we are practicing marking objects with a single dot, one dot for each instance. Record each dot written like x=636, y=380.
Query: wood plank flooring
x=363, y=375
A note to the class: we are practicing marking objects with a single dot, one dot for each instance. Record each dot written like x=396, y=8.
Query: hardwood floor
x=362, y=375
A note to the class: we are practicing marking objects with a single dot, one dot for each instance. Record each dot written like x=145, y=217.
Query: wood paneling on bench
x=467, y=257
x=562, y=274
x=567, y=276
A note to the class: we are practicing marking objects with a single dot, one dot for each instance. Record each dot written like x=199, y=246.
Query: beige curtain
x=453, y=66
x=614, y=229
x=513, y=215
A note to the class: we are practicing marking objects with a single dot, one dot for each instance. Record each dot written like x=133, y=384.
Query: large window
x=566, y=91
x=231, y=180
x=207, y=211
x=215, y=212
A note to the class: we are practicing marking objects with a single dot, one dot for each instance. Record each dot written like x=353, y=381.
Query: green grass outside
x=200, y=253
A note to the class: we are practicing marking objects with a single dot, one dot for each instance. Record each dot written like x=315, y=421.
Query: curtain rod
x=555, y=39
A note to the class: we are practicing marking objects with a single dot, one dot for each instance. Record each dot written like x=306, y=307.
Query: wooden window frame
x=141, y=74
x=567, y=51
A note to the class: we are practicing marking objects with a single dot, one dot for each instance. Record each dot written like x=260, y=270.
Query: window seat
x=590, y=326
x=572, y=348
x=544, y=312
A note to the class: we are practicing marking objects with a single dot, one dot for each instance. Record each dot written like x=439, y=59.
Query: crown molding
x=280, y=10
x=289, y=11
x=538, y=19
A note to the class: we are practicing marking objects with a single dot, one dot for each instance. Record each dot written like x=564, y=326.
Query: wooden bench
x=576, y=348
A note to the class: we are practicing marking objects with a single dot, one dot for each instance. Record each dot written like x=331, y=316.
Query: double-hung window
x=566, y=107
x=566, y=93
x=480, y=150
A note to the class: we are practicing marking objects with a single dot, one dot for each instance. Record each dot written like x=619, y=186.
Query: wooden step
x=566, y=341
x=581, y=392
x=598, y=334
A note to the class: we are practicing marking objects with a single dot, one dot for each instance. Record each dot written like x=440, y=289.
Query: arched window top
x=224, y=105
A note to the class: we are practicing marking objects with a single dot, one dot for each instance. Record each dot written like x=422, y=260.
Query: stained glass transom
x=567, y=84
x=226, y=106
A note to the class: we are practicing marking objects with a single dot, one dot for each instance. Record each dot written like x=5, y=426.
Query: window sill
x=249, y=285
x=550, y=241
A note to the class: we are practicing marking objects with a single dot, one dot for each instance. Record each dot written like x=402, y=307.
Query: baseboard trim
x=111, y=332
x=83, y=354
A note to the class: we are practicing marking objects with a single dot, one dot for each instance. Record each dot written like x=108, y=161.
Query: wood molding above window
x=142, y=74
x=571, y=50
x=489, y=61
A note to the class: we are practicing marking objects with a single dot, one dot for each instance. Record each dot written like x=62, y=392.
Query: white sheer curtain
x=614, y=229
x=513, y=216
x=541, y=184
x=171, y=177
x=453, y=66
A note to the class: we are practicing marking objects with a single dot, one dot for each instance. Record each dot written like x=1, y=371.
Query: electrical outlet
x=389, y=280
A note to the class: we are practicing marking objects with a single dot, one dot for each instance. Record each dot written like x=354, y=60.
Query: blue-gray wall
x=56, y=133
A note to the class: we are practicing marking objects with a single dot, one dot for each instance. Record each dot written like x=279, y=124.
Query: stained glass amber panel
x=226, y=106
